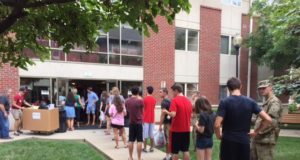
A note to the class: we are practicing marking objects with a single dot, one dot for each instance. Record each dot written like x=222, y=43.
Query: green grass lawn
x=34, y=149
x=286, y=149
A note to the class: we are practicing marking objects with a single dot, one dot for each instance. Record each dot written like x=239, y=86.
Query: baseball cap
x=264, y=84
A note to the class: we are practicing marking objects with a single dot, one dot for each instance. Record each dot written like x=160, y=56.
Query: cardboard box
x=41, y=120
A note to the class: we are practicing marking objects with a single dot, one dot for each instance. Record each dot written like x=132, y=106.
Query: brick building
x=195, y=51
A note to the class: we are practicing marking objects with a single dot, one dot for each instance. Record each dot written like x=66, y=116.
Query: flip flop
x=151, y=150
x=144, y=150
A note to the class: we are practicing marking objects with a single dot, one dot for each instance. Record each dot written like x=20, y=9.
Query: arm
x=266, y=121
x=15, y=105
x=2, y=108
x=27, y=104
x=171, y=114
x=162, y=118
x=218, y=124
x=124, y=110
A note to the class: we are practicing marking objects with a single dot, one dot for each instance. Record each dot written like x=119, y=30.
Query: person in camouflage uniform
x=263, y=145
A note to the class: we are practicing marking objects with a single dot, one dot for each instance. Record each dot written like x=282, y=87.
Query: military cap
x=264, y=84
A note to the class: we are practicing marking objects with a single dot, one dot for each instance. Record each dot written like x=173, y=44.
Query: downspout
x=249, y=59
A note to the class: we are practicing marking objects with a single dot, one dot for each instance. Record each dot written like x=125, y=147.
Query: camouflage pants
x=262, y=151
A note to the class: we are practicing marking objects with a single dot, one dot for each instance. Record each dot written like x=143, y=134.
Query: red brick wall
x=209, y=59
x=9, y=78
x=159, y=57
x=254, y=71
x=244, y=54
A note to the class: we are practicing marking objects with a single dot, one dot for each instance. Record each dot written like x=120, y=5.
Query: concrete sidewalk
x=97, y=139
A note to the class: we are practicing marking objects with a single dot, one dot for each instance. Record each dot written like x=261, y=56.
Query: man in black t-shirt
x=4, y=111
x=234, y=115
x=165, y=119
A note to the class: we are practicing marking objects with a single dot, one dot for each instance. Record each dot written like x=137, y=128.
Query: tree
x=276, y=41
x=72, y=22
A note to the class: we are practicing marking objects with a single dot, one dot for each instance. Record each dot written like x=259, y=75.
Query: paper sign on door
x=36, y=115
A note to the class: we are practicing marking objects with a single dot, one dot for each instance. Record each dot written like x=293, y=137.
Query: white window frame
x=187, y=40
x=229, y=44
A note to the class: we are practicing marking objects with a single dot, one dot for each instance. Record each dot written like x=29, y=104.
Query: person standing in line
x=135, y=107
x=114, y=92
x=70, y=110
x=117, y=112
x=148, y=126
x=4, y=112
x=263, y=145
x=181, y=112
x=78, y=106
x=91, y=105
x=165, y=120
x=204, y=128
x=195, y=118
x=104, y=97
x=234, y=116
x=17, y=107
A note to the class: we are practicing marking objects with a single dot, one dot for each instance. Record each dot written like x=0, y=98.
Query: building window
x=180, y=39
x=232, y=2
x=223, y=92
x=189, y=89
x=186, y=39
x=227, y=45
x=120, y=46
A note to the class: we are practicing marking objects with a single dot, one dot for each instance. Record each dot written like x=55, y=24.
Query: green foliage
x=293, y=107
x=276, y=41
x=73, y=22
x=288, y=84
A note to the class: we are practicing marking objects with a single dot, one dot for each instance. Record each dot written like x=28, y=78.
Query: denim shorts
x=90, y=109
x=204, y=143
x=70, y=112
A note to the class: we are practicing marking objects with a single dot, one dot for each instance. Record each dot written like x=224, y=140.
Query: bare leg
x=151, y=143
x=208, y=154
x=16, y=125
x=123, y=136
x=88, y=119
x=175, y=157
x=200, y=154
x=72, y=124
x=68, y=124
x=93, y=119
x=145, y=144
x=139, y=150
x=116, y=135
x=186, y=155
x=107, y=125
x=130, y=148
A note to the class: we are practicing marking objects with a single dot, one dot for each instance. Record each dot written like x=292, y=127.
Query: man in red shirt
x=17, y=107
x=181, y=112
x=148, y=127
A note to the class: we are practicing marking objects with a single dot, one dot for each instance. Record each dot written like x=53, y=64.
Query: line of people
x=231, y=123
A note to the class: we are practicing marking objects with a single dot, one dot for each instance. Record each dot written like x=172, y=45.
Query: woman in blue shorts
x=204, y=129
x=70, y=110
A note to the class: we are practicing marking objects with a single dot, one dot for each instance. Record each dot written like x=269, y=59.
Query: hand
x=160, y=128
x=252, y=134
x=5, y=114
x=219, y=136
x=165, y=111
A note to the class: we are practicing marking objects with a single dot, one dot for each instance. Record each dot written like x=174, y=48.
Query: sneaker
x=144, y=150
x=19, y=131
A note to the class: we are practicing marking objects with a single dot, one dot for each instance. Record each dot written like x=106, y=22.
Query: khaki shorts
x=167, y=131
x=17, y=114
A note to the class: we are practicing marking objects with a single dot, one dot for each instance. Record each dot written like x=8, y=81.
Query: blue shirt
x=237, y=113
x=92, y=99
